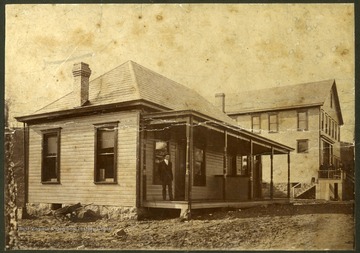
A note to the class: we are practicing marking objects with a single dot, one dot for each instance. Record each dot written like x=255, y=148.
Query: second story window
x=336, y=129
x=273, y=123
x=326, y=123
x=255, y=124
x=302, y=124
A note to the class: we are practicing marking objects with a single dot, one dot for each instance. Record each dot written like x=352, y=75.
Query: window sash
x=273, y=123
x=302, y=121
x=199, y=167
x=105, y=168
x=255, y=124
x=303, y=146
x=50, y=165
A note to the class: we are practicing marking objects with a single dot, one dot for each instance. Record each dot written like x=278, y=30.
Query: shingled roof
x=130, y=82
x=280, y=98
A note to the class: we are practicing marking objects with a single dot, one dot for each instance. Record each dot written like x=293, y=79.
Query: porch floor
x=202, y=204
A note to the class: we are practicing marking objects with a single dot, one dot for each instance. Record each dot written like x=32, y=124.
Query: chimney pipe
x=220, y=101
x=81, y=73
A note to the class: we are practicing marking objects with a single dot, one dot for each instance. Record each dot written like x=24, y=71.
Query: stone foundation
x=109, y=212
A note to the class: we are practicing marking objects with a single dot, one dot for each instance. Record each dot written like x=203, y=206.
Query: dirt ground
x=293, y=227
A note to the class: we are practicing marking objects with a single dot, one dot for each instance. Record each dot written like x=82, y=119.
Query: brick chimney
x=220, y=101
x=81, y=73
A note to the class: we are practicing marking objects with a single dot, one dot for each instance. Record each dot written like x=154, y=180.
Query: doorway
x=180, y=169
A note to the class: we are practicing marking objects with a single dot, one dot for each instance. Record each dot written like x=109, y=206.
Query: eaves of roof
x=91, y=109
x=273, y=109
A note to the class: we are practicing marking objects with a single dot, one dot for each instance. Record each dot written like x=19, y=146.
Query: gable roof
x=133, y=82
x=282, y=98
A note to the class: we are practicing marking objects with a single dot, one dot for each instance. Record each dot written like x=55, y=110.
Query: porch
x=203, y=204
x=215, y=164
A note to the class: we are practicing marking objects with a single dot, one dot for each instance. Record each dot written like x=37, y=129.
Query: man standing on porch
x=166, y=176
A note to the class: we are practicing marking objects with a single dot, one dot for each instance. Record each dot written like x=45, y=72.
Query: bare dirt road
x=292, y=227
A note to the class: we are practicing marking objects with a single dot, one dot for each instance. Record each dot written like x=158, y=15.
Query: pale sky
x=211, y=48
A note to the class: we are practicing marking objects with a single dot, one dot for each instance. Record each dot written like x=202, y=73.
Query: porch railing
x=330, y=174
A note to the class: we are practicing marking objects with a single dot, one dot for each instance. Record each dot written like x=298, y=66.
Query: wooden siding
x=77, y=162
x=214, y=167
x=213, y=188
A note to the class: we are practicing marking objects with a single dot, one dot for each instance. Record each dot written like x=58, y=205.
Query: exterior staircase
x=304, y=191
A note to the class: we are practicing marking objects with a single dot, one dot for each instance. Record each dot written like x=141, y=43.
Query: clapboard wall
x=77, y=162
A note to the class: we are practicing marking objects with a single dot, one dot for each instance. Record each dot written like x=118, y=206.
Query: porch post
x=271, y=173
x=288, y=185
x=251, y=161
x=225, y=164
x=143, y=164
x=189, y=160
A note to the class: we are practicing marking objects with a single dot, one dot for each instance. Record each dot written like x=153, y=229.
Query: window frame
x=257, y=131
x=277, y=122
x=298, y=143
x=45, y=134
x=200, y=181
x=98, y=127
x=326, y=123
x=306, y=121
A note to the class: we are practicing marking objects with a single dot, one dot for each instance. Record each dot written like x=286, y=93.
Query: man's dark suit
x=166, y=177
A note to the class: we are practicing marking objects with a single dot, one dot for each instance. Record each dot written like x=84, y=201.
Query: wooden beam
x=271, y=173
x=225, y=163
x=143, y=165
x=187, y=163
x=288, y=184
x=251, y=161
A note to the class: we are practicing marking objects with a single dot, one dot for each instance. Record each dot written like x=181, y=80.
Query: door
x=180, y=172
x=257, y=177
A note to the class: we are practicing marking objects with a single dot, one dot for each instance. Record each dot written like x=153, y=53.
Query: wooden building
x=102, y=143
x=306, y=117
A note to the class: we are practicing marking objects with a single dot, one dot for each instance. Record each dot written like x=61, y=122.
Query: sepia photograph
x=180, y=126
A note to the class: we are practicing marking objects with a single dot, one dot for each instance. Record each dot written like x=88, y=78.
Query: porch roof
x=174, y=117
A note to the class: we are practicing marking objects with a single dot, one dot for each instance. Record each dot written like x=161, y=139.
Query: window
x=255, y=124
x=243, y=168
x=338, y=133
x=336, y=129
x=105, y=153
x=331, y=99
x=332, y=128
x=302, y=121
x=199, y=169
x=322, y=120
x=326, y=123
x=303, y=146
x=161, y=149
x=273, y=123
x=50, y=167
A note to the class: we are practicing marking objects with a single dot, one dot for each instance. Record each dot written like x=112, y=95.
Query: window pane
x=105, y=154
x=199, y=155
x=199, y=170
x=273, y=126
x=52, y=145
x=302, y=121
x=303, y=146
x=256, y=124
x=106, y=138
x=50, y=157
